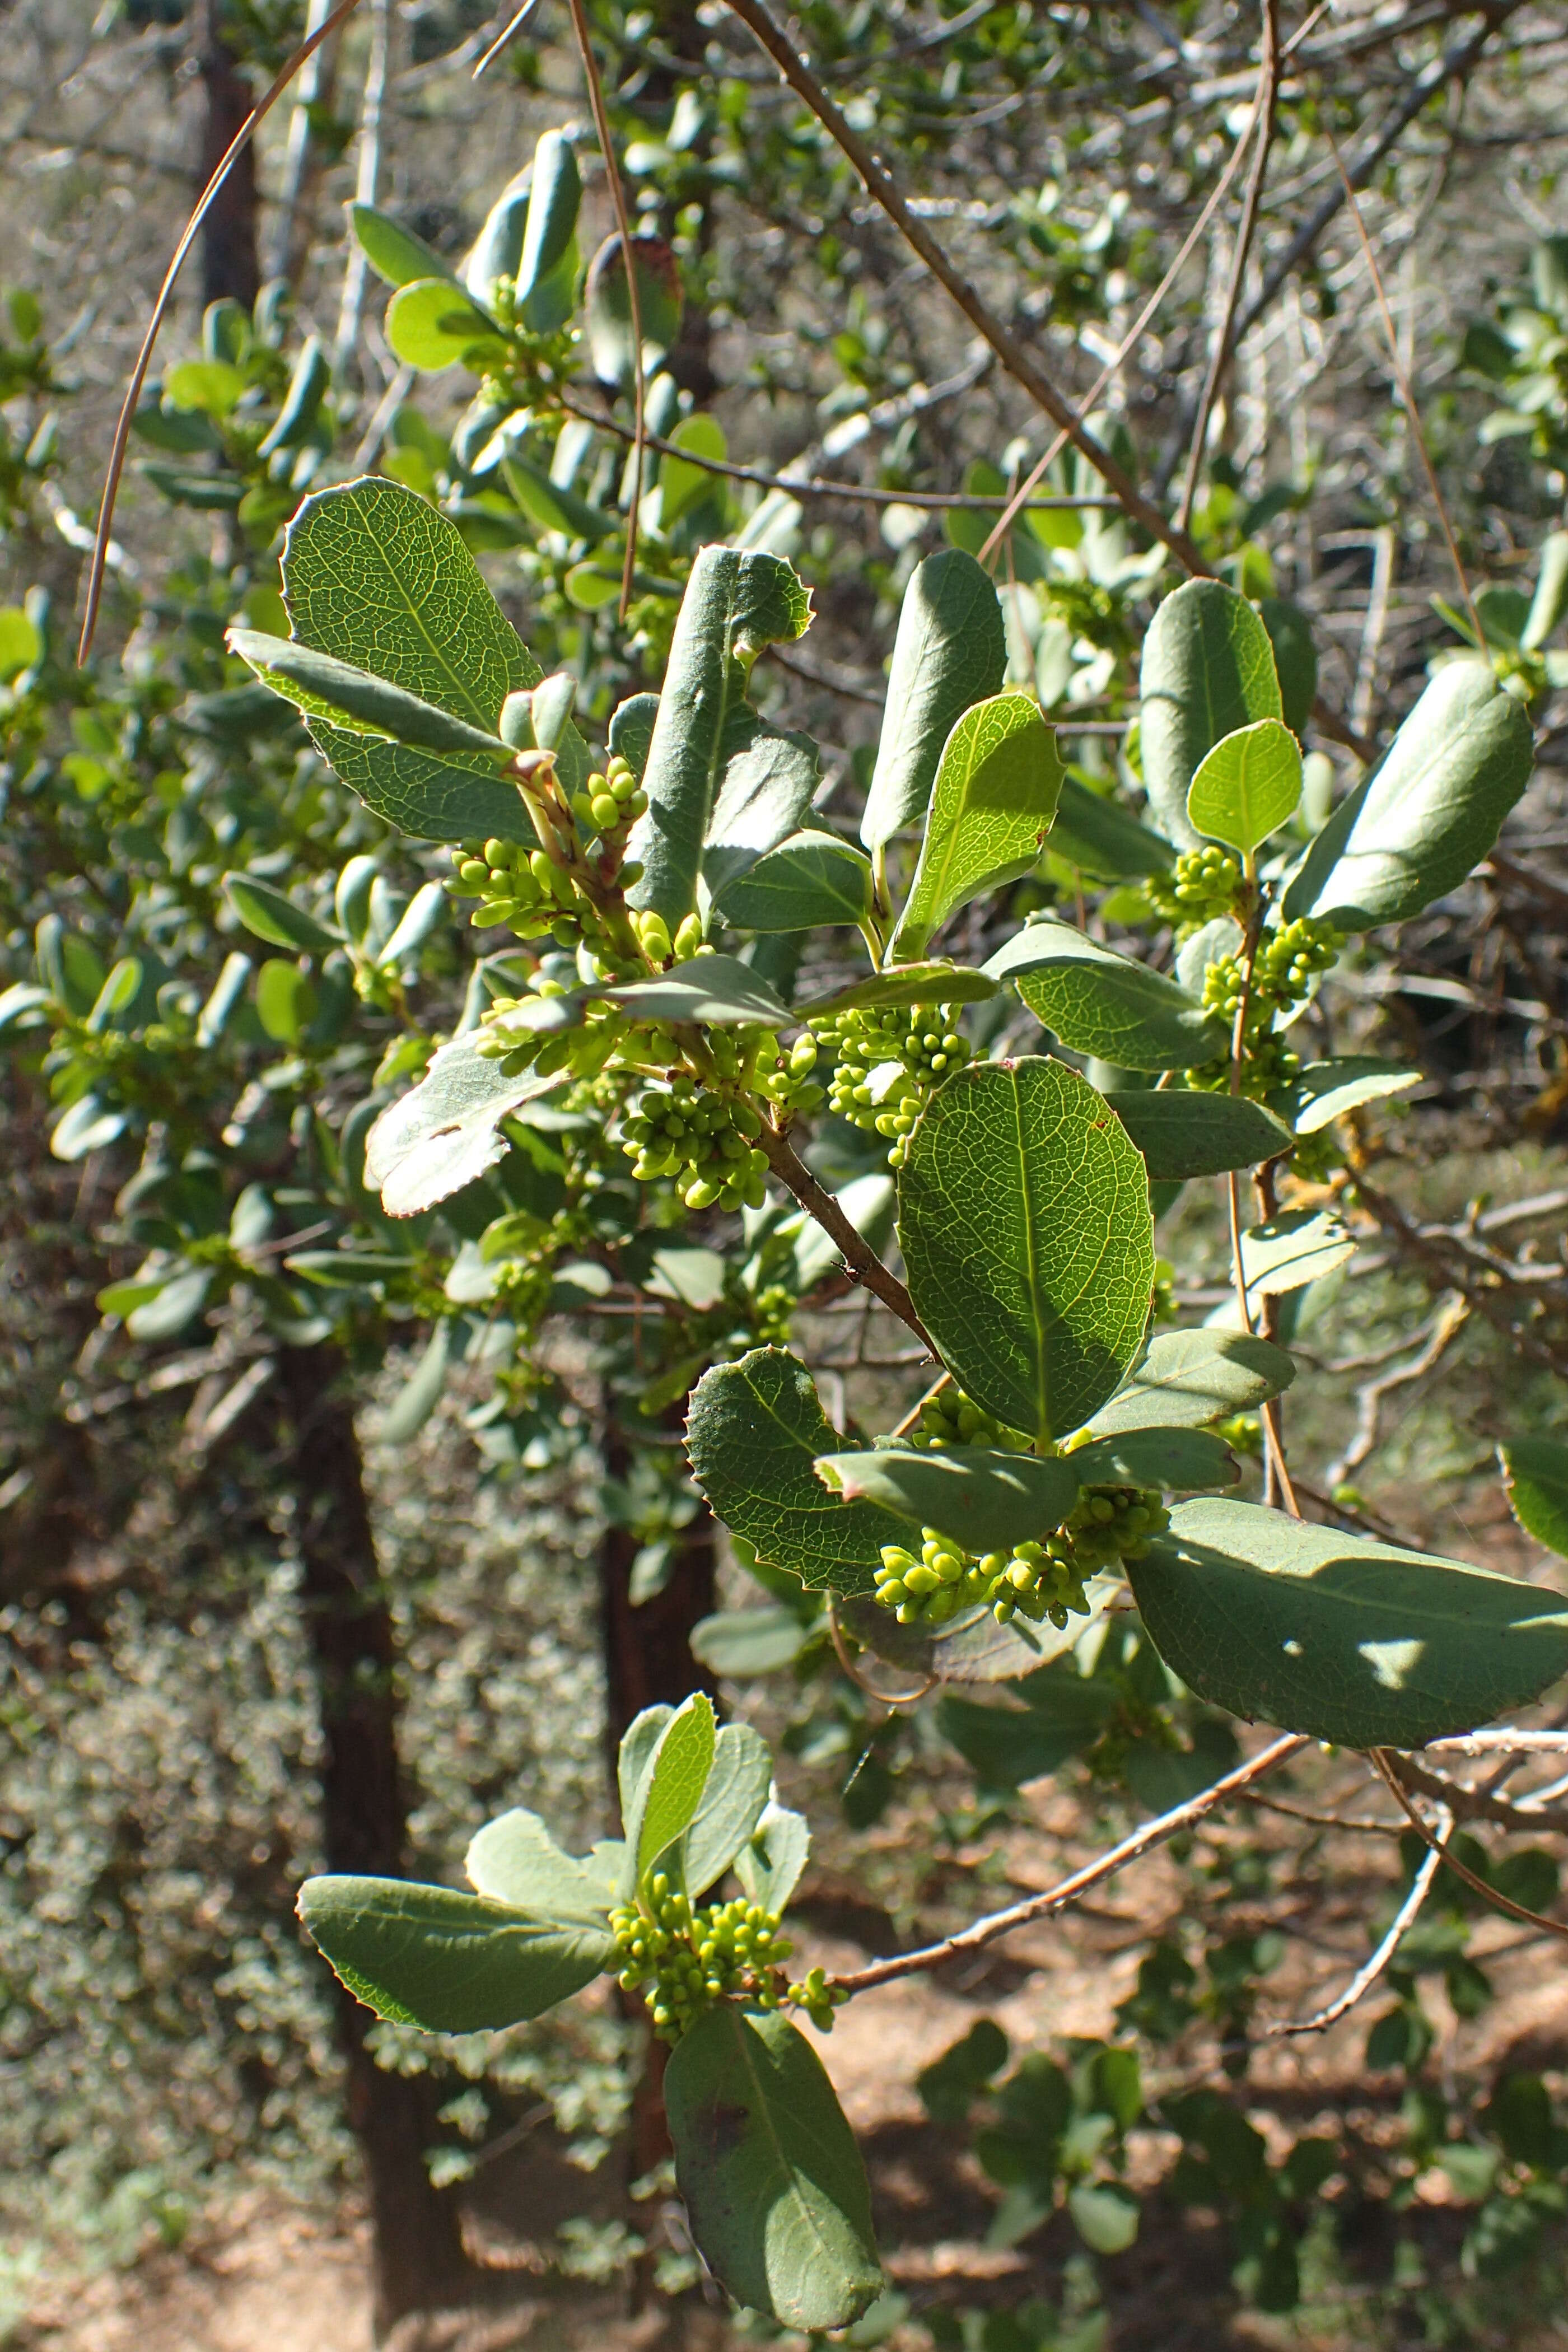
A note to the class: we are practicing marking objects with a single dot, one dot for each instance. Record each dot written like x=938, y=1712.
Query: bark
x=418, y=2258
x=231, y=266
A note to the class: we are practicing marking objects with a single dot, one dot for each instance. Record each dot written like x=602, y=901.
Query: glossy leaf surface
x=951, y=650
x=770, y=2172
x=991, y=805
x=447, y=1962
x=1361, y=1643
x=753, y=1435
x=1038, y=1306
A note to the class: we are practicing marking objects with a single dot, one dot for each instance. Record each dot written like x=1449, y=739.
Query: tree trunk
x=231, y=269
x=646, y=1648
x=419, y=2259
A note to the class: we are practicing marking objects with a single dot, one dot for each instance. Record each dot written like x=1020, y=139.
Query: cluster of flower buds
x=528, y=891
x=707, y=1141
x=653, y=937
x=682, y=1960
x=790, y=1083
x=889, y=1065
x=950, y=1418
x=1034, y=1580
x=1202, y=884
x=609, y=805
x=1287, y=962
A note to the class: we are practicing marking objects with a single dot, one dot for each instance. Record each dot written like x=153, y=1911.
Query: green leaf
x=1038, y=1306
x=905, y=983
x=1362, y=1643
x=1105, y=2215
x=1550, y=601
x=324, y=687
x=1093, y=832
x=1248, y=785
x=672, y=1789
x=554, y=197
x=991, y=808
x=1535, y=1470
x=1006, y=1746
x=984, y=1501
x=285, y=1000
x=736, y=1644
x=433, y=324
x=717, y=989
x=1291, y=1249
x=631, y=730
x=808, y=882
x=1417, y=826
x=269, y=914
x=734, y=605
x=732, y=1804
x=973, y=1648
x=1321, y=1092
x=754, y=1432
x=393, y=252
x=175, y=1307
x=421, y=1392
x=768, y=2168
x=1181, y=1461
x=1103, y=1004
x=635, y=1761
x=769, y=1864
x=1186, y=1378
x=302, y=403
x=682, y=484
x=447, y=1962
x=1295, y=659
x=21, y=643
x=1208, y=669
x=1185, y=1134
x=515, y=1861
x=444, y=1132
x=87, y=1125
x=496, y=251
x=951, y=651
x=374, y=574
x=607, y=309
x=553, y=506
x=769, y=781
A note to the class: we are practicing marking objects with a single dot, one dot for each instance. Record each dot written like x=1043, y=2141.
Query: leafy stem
x=1142, y=1841
x=861, y=1259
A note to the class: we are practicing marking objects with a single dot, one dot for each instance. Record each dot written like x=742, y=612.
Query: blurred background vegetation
x=266, y=1603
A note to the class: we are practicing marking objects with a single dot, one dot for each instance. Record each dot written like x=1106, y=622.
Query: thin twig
x=1405, y=393
x=622, y=223
x=1322, y=1820
x=1386, y=1765
x=1020, y=363
x=1452, y=1314
x=1505, y=1741
x=368, y=178
x=1225, y=342
x=1128, y=343
x=504, y=39
x=893, y=1699
x=1453, y=64
x=1480, y=1804
x=857, y=1254
x=1037, y=1907
x=1367, y=1975
x=204, y=204
x=817, y=486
